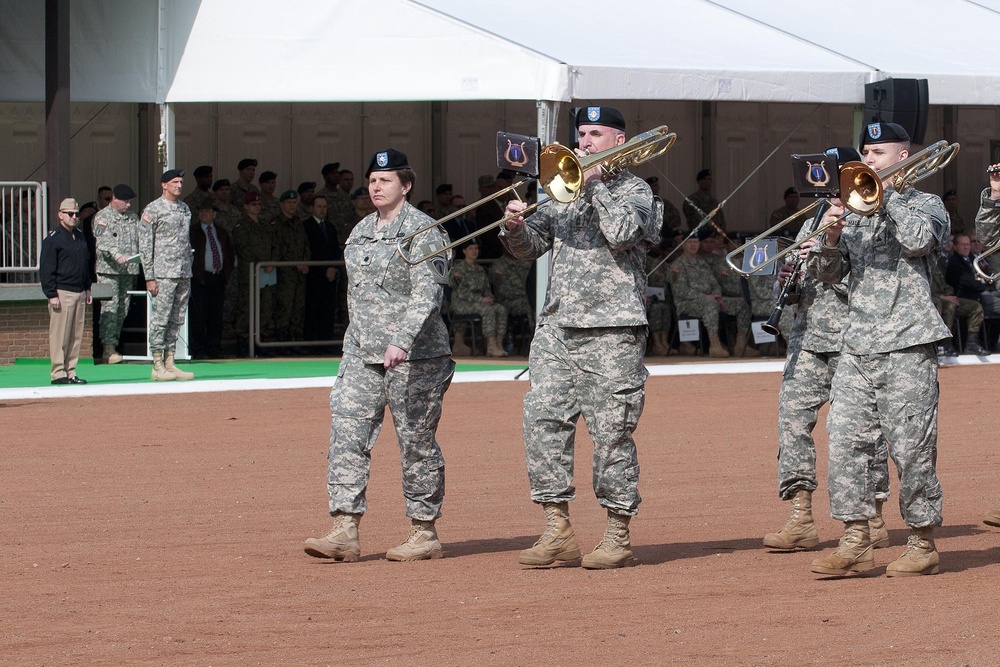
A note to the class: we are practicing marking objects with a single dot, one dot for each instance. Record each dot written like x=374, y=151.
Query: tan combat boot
x=494, y=347
x=741, y=349
x=659, y=346
x=421, y=544
x=715, y=348
x=876, y=528
x=800, y=531
x=160, y=372
x=459, y=348
x=687, y=349
x=341, y=543
x=613, y=551
x=111, y=355
x=168, y=361
x=920, y=557
x=853, y=555
x=558, y=542
x=992, y=518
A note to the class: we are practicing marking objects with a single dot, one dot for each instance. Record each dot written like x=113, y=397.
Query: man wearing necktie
x=213, y=264
x=321, y=281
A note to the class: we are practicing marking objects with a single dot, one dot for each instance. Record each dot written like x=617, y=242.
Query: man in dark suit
x=321, y=281
x=967, y=284
x=213, y=263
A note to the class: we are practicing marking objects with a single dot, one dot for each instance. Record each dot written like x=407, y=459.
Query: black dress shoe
x=62, y=380
x=77, y=380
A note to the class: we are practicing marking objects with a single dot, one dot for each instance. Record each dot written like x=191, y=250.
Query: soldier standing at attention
x=586, y=356
x=164, y=242
x=886, y=383
x=396, y=354
x=117, y=233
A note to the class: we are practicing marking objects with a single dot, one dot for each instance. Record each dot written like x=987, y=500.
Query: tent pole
x=548, y=122
x=165, y=148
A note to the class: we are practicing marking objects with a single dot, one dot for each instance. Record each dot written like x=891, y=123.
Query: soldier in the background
x=702, y=202
x=117, y=233
x=165, y=245
x=247, y=168
x=290, y=245
x=204, y=178
x=269, y=207
x=253, y=240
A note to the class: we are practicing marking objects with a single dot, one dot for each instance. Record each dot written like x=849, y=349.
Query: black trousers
x=206, y=305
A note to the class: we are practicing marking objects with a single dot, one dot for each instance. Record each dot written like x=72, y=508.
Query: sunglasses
x=72, y=214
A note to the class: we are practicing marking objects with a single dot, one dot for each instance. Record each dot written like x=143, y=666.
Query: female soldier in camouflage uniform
x=395, y=353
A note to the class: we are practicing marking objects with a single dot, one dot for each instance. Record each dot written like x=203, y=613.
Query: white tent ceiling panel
x=392, y=50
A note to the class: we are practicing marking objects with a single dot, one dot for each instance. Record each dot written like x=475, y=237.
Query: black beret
x=267, y=176
x=330, y=167
x=246, y=162
x=652, y=179
x=606, y=116
x=790, y=191
x=388, y=160
x=883, y=133
x=443, y=188
x=359, y=192
x=307, y=185
x=221, y=183
x=203, y=170
x=286, y=195
x=706, y=233
x=207, y=204
x=950, y=193
x=123, y=192
x=171, y=174
x=704, y=173
x=843, y=154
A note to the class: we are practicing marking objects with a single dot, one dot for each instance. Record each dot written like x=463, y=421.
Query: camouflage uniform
x=692, y=279
x=671, y=219
x=340, y=213
x=469, y=284
x=730, y=281
x=988, y=220
x=270, y=209
x=586, y=356
x=509, y=278
x=117, y=234
x=390, y=303
x=194, y=201
x=290, y=245
x=699, y=204
x=238, y=193
x=814, y=342
x=253, y=242
x=165, y=244
x=968, y=308
x=886, y=381
x=660, y=312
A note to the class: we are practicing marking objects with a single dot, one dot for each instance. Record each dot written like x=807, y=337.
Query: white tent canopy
x=560, y=50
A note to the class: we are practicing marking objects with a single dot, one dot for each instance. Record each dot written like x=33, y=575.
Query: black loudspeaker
x=901, y=101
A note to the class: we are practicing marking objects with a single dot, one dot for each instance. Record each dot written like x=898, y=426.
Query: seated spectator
x=964, y=280
x=697, y=293
x=659, y=304
x=509, y=277
x=471, y=294
x=949, y=305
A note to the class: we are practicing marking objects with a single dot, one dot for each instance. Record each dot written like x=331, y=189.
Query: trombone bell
x=562, y=174
x=860, y=188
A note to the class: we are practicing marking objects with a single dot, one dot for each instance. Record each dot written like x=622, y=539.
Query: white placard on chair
x=761, y=336
x=688, y=331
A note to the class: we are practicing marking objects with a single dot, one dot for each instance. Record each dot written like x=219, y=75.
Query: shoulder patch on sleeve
x=147, y=218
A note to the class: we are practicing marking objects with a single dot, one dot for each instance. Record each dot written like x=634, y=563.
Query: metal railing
x=23, y=213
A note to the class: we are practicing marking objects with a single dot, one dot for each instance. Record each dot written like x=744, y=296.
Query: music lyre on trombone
x=860, y=190
x=559, y=171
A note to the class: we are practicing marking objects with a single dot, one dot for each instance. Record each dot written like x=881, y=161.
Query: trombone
x=988, y=277
x=561, y=176
x=861, y=192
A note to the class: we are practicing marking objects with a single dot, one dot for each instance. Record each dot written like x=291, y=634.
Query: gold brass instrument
x=861, y=192
x=561, y=176
x=988, y=277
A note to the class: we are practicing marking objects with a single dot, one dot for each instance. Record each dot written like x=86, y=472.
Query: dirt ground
x=167, y=531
